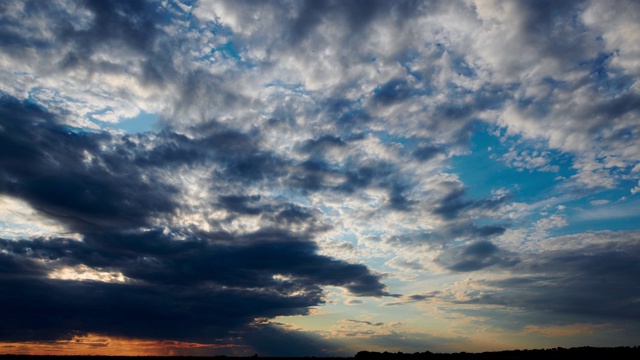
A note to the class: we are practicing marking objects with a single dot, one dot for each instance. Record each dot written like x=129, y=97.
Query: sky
x=317, y=178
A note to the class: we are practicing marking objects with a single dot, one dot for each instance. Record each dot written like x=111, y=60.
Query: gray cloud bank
x=203, y=283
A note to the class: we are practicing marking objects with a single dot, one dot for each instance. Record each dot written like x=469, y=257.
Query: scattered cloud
x=469, y=154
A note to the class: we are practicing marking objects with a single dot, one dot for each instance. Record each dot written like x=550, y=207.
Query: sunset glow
x=92, y=344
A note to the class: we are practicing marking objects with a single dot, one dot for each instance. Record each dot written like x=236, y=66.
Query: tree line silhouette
x=577, y=353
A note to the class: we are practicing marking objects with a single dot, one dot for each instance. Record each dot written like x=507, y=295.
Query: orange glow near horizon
x=94, y=344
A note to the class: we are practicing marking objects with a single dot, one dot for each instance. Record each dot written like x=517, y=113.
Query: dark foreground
x=582, y=353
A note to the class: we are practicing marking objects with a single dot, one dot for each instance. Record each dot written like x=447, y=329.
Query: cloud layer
x=110, y=190
x=470, y=155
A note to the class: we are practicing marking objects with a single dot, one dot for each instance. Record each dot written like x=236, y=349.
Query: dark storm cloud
x=476, y=256
x=249, y=261
x=463, y=228
x=457, y=201
x=316, y=174
x=593, y=281
x=45, y=309
x=202, y=290
x=117, y=24
x=457, y=230
x=221, y=258
x=133, y=23
x=240, y=204
x=44, y=163
x=240, y=154
x=271, y=340
x=109, y=189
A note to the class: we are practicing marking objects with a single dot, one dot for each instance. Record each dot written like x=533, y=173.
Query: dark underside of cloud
x=476, y=256
x=180, y=283
x=593, y=281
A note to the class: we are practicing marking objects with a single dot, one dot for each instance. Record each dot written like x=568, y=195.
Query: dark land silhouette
x=577, y=353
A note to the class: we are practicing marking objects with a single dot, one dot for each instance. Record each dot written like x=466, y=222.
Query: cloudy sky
x=318, y=177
